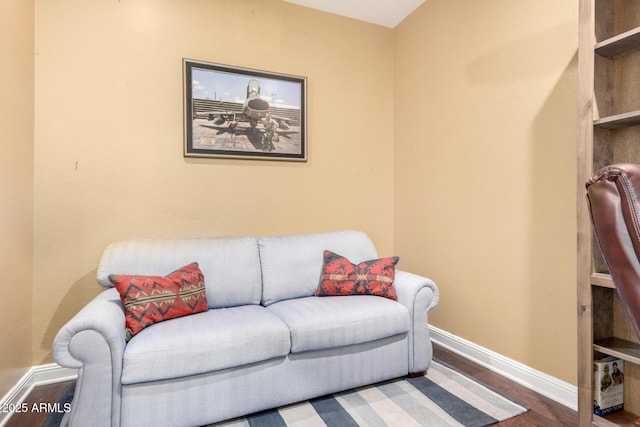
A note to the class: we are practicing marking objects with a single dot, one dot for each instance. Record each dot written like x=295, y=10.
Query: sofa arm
x=419, y=295
x=93, y=341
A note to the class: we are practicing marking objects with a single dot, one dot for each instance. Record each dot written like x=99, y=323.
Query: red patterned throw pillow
x=151, y=299
x=341, y=277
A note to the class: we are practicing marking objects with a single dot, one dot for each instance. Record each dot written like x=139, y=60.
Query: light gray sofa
x=265, y=341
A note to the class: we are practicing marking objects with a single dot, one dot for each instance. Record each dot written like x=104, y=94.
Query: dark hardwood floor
x=44, y=394
x=543, y=412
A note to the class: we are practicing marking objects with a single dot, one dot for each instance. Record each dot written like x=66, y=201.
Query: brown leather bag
x=612, y=195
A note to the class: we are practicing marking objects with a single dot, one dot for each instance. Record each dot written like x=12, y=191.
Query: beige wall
x=109, y=127
x=16, y=188
x=485, y=119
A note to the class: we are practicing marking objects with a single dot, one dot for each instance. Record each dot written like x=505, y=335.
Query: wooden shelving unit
x=608, y=132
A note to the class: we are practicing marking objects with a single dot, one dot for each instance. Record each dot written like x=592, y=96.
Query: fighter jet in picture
x=253, y=111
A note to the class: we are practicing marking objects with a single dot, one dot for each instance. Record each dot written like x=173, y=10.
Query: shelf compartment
x=625, y=350
x=619, y=121
x=620, y=45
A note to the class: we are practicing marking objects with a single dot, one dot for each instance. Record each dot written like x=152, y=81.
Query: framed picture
x=234, y=112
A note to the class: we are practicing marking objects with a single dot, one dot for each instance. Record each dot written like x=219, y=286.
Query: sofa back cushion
x=230, y=265
x=291, y=265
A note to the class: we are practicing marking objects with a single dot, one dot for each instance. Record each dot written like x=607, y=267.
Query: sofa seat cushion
x=204, y=342
x=318, y=323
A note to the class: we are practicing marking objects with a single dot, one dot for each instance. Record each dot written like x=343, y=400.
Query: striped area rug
x=443, y=397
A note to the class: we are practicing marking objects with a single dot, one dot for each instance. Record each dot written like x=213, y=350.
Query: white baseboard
x=37, y=375
x=547, y=385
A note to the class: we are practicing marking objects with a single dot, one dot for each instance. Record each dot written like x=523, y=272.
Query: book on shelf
x=609, y=385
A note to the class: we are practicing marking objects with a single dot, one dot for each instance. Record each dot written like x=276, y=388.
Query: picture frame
x=242, y=113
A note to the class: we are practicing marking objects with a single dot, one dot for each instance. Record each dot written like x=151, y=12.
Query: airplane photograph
x=233, y=112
